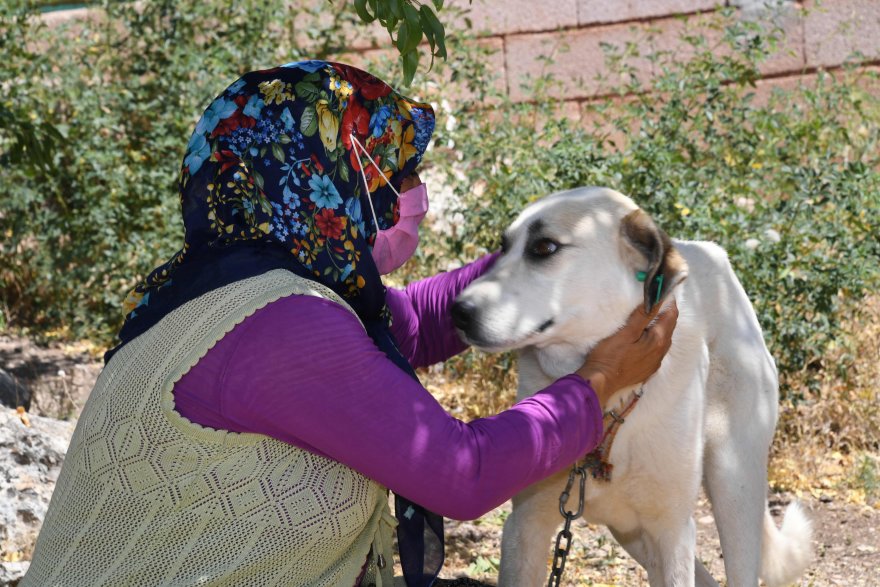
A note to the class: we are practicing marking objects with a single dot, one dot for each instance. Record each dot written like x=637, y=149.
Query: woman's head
x=273, y=161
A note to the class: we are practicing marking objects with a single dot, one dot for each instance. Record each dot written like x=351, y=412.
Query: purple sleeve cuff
x=422, y=319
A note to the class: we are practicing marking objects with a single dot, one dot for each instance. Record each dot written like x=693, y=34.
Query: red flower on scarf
x=317, y=163
x=355, y=120
x=370, y=87
x=238, y=119
x=226, y=159
x=329, y=223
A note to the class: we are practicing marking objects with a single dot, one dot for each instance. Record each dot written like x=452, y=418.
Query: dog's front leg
x=527, y=534
x=676, y=547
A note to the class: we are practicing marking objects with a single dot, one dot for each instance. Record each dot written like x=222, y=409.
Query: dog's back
x=741, y=408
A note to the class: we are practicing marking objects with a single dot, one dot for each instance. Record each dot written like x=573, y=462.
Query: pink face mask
x=394, y=246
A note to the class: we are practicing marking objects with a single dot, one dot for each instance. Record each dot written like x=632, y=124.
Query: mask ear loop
x=357, y=143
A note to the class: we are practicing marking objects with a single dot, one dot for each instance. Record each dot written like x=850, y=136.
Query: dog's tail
x=787, y=551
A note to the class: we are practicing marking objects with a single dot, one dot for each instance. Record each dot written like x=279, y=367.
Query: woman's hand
x=630, y=355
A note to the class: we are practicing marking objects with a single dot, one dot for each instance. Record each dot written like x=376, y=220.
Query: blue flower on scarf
x=324, y=193
x=379, y=120
x=310, y=66
x=234, y=88
x=287, y=119
x=267, y=132
x=353, y=211
x=424, y=129
x=198, y=151
x=219, y=110
x=290, y=199
x=254, y=106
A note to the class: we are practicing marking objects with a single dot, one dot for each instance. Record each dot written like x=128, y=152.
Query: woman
x=263, y=396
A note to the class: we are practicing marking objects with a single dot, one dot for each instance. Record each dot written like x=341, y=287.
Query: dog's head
x=574, y=265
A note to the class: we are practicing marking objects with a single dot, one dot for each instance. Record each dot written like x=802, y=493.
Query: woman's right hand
x=630, y=355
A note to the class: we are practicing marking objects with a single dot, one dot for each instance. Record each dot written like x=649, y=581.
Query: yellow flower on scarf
x=328, y=125
x=341, y=87
x=276, y=91
x=405, y=108
x=407, y=149
x=132, y=300
x=375, y=180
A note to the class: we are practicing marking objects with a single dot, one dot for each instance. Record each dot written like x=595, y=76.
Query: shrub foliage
x=789, y=186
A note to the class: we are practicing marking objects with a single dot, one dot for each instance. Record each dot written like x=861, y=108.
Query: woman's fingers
x=661, y=330
x=638, y=322
x=632, y=354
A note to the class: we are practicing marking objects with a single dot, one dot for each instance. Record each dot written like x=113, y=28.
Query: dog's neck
x=559, y=360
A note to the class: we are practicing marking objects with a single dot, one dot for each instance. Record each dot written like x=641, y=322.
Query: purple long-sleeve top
x=302, y=370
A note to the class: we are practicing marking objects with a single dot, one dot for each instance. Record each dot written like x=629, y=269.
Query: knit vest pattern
x=146, y=497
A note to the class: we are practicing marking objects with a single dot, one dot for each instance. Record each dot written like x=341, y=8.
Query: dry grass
x=829, y=445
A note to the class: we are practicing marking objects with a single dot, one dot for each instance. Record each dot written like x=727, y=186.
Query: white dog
x=575, y=264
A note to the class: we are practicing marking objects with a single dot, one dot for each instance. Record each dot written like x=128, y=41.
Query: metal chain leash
x=563, y=539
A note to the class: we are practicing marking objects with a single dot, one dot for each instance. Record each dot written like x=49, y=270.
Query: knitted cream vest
x=146, y=497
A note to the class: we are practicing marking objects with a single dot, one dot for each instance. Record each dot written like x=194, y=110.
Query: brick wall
x=818, y=35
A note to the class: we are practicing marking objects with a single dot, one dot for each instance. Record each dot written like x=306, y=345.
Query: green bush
x=692, y=145
x=125, y=88
x=790, y=188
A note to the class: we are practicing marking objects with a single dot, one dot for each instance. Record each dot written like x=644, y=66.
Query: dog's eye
x=544, y=247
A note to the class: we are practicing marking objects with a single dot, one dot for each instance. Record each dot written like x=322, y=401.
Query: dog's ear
x=652, y=255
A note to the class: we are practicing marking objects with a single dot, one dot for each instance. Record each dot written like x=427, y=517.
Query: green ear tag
x=641, y=276
x=659, y=287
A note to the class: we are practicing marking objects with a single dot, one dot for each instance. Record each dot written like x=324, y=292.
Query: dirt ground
x=846, y=543
x=846, y=536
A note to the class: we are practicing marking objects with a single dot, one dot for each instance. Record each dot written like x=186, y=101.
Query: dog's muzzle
x=464, y=313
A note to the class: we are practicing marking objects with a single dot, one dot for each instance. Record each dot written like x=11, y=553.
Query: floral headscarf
x=270, y=180
x=271, y=162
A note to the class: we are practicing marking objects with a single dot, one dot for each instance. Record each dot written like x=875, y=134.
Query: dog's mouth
x=496, y=346
x=547, y=324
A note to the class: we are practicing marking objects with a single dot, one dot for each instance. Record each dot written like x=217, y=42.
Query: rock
x=11, y=573
x=58, y=378
x=12, y=393
x=30, y=461
x=63, y=393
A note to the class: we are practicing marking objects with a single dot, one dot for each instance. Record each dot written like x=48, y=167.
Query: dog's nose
x=463, y=312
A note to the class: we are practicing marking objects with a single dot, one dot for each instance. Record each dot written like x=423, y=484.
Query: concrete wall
x=818, y=35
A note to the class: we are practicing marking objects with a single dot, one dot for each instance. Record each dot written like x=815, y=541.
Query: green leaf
x=360, y=6
x=343, y=170
x=396, y=7
x=438, y=4
x=307, y=90
x=431, y=23
x=413, y=24
x=410, y=62
x=258, y=179
x=308, y=123
x=278, y=152
x=284, y=139
x=403, y=38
